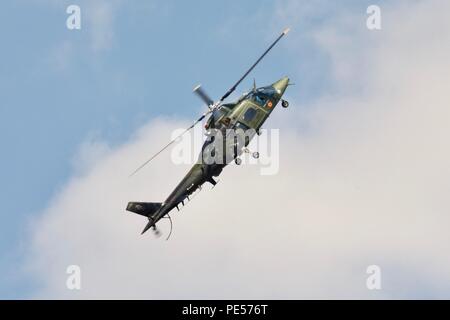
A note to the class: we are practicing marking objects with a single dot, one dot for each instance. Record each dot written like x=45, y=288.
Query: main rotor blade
x=172, y=141
x=203, y=95
x=285, y=31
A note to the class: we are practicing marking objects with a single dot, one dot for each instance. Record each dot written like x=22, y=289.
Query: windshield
x=259, y=98
x=261, y=95
x=267, y=91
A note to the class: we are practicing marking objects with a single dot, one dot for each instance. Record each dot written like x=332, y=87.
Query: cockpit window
x=267, y=91
x=258, y=98
x=218, y=113
x=249, y=114
x=262, y=95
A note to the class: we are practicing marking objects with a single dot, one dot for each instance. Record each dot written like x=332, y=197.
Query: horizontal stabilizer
x=146, y=209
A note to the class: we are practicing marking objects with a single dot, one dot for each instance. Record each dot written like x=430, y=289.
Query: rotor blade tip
x=285, y=31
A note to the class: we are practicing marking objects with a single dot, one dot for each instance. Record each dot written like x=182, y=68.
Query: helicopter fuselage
x=229, y=130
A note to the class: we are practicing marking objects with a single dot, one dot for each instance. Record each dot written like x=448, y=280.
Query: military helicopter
x=229, y=129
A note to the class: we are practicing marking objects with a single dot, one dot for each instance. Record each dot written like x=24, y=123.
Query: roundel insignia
x=269, y=104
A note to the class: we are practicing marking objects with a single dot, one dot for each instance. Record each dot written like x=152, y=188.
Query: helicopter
x=229, y=129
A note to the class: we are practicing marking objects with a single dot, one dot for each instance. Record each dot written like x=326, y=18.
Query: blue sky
x=61, y=87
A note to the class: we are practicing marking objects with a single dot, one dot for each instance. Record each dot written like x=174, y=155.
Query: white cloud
x=366, y=183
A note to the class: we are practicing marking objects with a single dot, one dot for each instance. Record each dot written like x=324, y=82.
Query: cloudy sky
x=364, y=150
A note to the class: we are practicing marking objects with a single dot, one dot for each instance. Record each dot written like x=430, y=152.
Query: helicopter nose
x=281, y=85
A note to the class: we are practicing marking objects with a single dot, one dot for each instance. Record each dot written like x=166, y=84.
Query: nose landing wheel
x=284, y=103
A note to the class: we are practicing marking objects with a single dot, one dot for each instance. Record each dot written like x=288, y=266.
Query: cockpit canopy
x=267, y=91
x=261, y=95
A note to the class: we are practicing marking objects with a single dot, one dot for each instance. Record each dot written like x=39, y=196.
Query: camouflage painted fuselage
x=248, y=113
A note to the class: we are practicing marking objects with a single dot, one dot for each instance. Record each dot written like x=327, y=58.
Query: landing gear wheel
x=238, y=161
x=255, y=155
x=284, y=103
